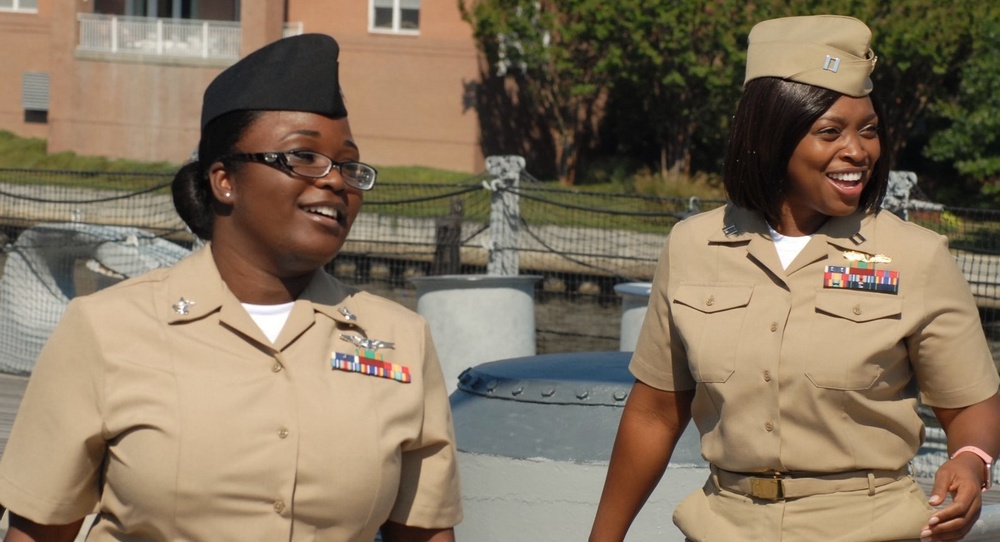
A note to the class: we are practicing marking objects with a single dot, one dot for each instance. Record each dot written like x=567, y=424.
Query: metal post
x=114, y=34
x=159, y=36
x=504, y=213
x=204, y=39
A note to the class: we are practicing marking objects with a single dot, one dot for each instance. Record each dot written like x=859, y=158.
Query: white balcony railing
x=184, y=38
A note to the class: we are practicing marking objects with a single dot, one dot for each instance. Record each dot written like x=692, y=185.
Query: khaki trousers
x=895, y=512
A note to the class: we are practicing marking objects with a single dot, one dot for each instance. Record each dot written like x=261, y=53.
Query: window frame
x=396, y=20
x=15, y=8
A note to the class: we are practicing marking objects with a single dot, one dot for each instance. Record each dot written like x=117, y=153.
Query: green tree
x=661, y=78
x=552, y=50
x=680, y=72
x=971, y=116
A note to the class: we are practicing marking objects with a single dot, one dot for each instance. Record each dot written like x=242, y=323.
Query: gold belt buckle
x=767, y=488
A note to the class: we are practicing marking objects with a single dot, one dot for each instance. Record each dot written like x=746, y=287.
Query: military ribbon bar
x=370, y=366
x=861, y=278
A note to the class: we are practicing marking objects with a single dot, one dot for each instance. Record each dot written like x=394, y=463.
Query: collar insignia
x=182, y=306
x=348, y=315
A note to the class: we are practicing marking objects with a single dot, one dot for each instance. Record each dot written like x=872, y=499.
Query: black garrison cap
x=298, y=73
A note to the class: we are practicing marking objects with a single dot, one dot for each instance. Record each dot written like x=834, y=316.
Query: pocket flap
x=711, y=298
x=858, y=306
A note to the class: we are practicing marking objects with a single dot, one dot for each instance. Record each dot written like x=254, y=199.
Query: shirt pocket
x=853, y=328
x=709, y=318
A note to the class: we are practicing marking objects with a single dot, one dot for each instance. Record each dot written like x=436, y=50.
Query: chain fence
x=69, y=233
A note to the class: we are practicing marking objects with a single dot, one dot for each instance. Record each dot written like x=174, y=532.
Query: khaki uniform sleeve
x=660, y=359
x=50, y=468
x=429, y=494
x=949, y=352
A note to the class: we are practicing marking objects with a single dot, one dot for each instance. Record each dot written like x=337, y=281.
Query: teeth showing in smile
x=846, y=177
x=325, y=211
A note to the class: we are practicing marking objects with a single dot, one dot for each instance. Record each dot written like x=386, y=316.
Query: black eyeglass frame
x=279, y=160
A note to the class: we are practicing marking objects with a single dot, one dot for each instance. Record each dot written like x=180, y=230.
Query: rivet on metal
x=548, y=392
x=620, y=395
x=517, y=390
x=491, y=385
x=582, y=394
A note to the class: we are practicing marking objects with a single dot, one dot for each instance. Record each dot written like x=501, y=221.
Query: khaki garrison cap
x=829, y=51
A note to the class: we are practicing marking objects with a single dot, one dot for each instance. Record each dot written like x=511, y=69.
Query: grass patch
x=605, y=201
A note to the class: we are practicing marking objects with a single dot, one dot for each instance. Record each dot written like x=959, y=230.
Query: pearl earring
x=228, y=194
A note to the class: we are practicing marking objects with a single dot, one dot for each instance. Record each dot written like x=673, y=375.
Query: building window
x=35, y=96
x=396, y=16
x=30, y=6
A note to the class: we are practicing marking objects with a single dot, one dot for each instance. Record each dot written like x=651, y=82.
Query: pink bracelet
x=987, y=459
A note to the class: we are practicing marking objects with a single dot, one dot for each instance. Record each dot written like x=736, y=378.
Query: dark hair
x=772, y=117
x=190, y=189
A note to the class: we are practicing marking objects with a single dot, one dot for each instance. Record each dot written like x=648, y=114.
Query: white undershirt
x=270, y=318
x=788, y=247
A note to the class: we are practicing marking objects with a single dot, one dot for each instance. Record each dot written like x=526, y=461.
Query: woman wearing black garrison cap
x=244, y=394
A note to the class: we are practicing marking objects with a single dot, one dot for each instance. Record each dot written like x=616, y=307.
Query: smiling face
x=282, y=224
x=830, y=166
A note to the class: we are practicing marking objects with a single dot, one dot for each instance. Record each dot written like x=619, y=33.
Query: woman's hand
x=962, y=478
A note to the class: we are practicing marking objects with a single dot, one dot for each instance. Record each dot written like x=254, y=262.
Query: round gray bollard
x=635, y=298
x=477, y=318
x=534, y=439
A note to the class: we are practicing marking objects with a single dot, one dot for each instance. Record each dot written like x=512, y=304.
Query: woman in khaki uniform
x=244, y=394
x=798, y=324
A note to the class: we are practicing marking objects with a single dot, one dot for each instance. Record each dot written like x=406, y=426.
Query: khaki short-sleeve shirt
x=790, y=375
x=161, y=403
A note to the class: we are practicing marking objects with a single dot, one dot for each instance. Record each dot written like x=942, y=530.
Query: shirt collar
x=198, y=290
x=851, y=232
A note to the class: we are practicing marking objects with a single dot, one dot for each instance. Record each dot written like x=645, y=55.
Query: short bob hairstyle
x=771, y=119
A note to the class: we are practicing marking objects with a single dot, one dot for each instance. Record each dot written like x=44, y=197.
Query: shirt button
x=769, y=426
x=857, y=309
x=710, y=301
x=276, y=367
x=279, y=506
x=767, y=376
x=774, y=327
x=282, y=433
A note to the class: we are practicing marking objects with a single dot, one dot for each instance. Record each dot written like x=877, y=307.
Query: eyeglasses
x=313, y=165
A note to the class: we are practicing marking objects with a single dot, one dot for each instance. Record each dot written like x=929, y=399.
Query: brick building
x=124, y=78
